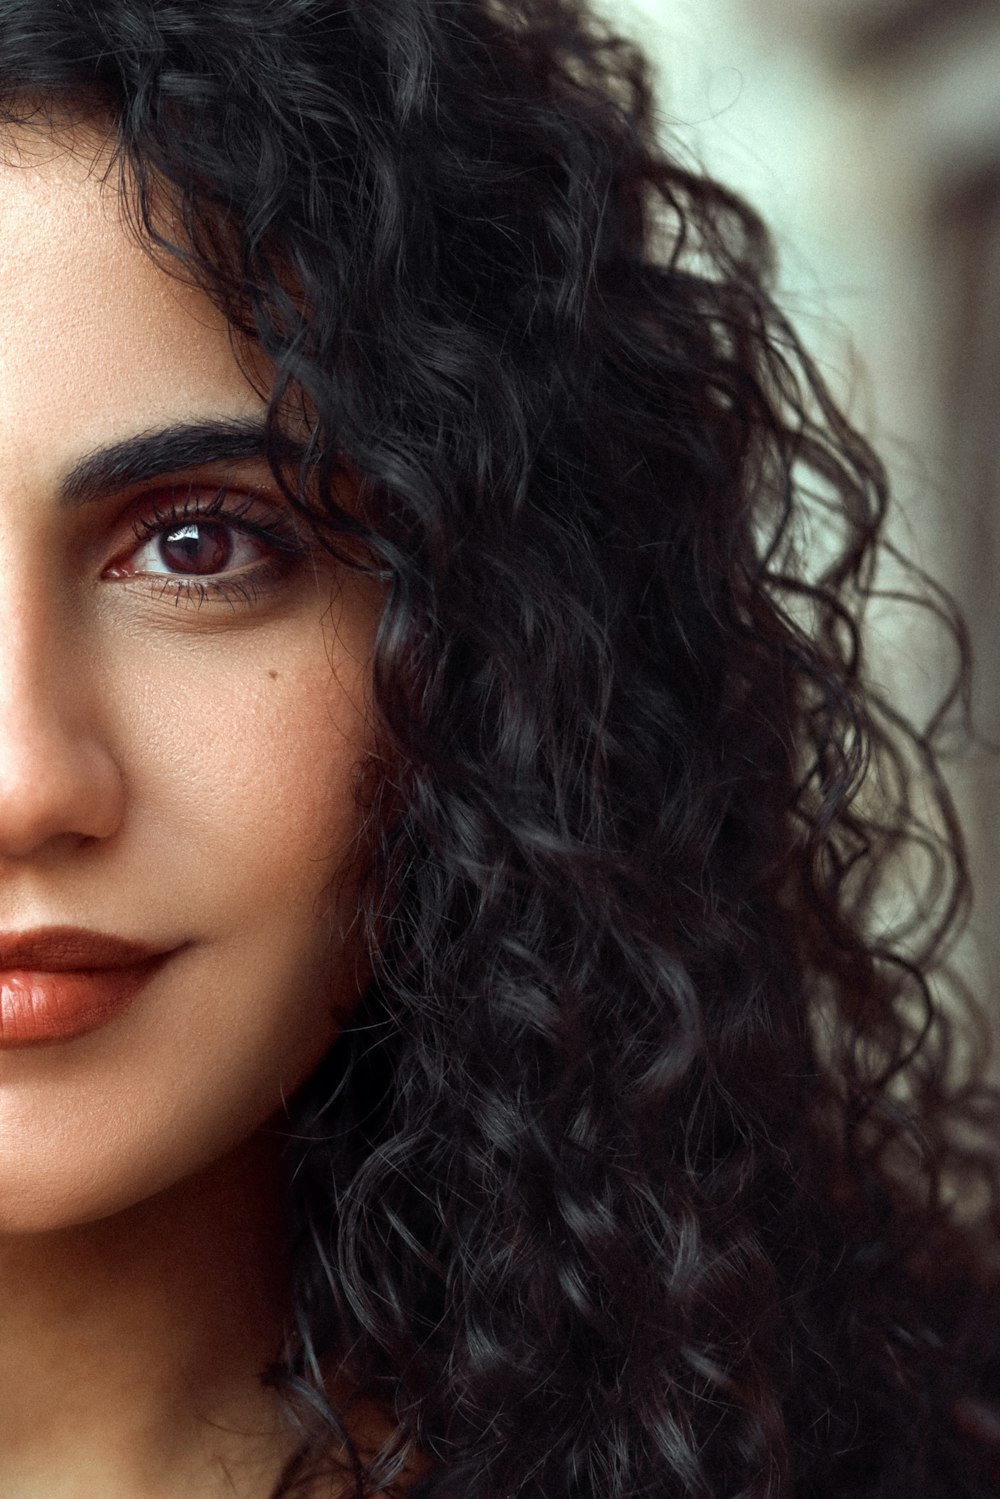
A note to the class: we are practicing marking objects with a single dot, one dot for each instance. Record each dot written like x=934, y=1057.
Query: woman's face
x=182, y=713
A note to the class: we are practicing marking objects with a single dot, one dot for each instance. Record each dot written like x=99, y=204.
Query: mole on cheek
x=273, y=675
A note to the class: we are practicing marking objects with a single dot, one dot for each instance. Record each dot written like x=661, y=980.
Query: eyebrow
x=168, y=450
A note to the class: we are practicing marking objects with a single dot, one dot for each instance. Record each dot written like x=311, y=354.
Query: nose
x=58, y=777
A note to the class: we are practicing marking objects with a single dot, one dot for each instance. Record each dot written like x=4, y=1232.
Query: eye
x=204, y=548
x=198, y=548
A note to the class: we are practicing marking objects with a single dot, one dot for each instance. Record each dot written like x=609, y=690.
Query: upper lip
x=63, y=949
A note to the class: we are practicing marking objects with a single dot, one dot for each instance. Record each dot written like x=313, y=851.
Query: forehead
x=95, y=339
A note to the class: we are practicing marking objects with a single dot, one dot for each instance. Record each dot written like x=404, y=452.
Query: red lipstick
x=58, y=982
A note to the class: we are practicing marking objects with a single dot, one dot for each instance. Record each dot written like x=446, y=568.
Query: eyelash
x=244, y=588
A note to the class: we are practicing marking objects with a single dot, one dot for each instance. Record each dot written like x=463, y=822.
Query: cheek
x=243, y=767
x=247, y=809
x=237, y=756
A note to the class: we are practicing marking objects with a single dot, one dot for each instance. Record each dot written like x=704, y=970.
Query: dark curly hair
x=636, y=1172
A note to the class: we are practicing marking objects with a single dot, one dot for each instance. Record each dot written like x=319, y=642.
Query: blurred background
x=867, y=133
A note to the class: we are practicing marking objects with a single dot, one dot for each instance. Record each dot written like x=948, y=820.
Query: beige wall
x=868, y=133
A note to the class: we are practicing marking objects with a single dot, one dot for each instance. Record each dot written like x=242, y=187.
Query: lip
x=60, y=982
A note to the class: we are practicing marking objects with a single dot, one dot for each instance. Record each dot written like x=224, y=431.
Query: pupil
x=199, y=547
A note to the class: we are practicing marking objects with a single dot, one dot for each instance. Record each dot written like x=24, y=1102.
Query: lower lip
x=39, y=1007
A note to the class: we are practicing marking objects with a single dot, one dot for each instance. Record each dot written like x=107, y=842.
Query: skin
x=158, y=780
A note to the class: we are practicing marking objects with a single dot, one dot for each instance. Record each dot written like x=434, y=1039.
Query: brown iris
x=197, y=547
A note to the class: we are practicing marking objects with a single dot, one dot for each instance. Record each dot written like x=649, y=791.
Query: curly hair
x=635, y=1172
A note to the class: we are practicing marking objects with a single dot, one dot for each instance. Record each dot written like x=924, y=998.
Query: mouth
x=57, y=983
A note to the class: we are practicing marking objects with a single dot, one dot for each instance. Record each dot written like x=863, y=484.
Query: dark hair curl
x=631, y=1176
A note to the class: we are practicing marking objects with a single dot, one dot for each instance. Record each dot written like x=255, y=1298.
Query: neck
x=131, y=1348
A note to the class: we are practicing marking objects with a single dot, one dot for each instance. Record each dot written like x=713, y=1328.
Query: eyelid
x=239, y=480
x=202, y=494
x=252, y=510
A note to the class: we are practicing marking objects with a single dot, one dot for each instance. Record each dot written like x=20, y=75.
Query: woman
x=449, y=1041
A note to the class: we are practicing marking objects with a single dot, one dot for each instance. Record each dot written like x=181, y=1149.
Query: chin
x=54, y=1193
